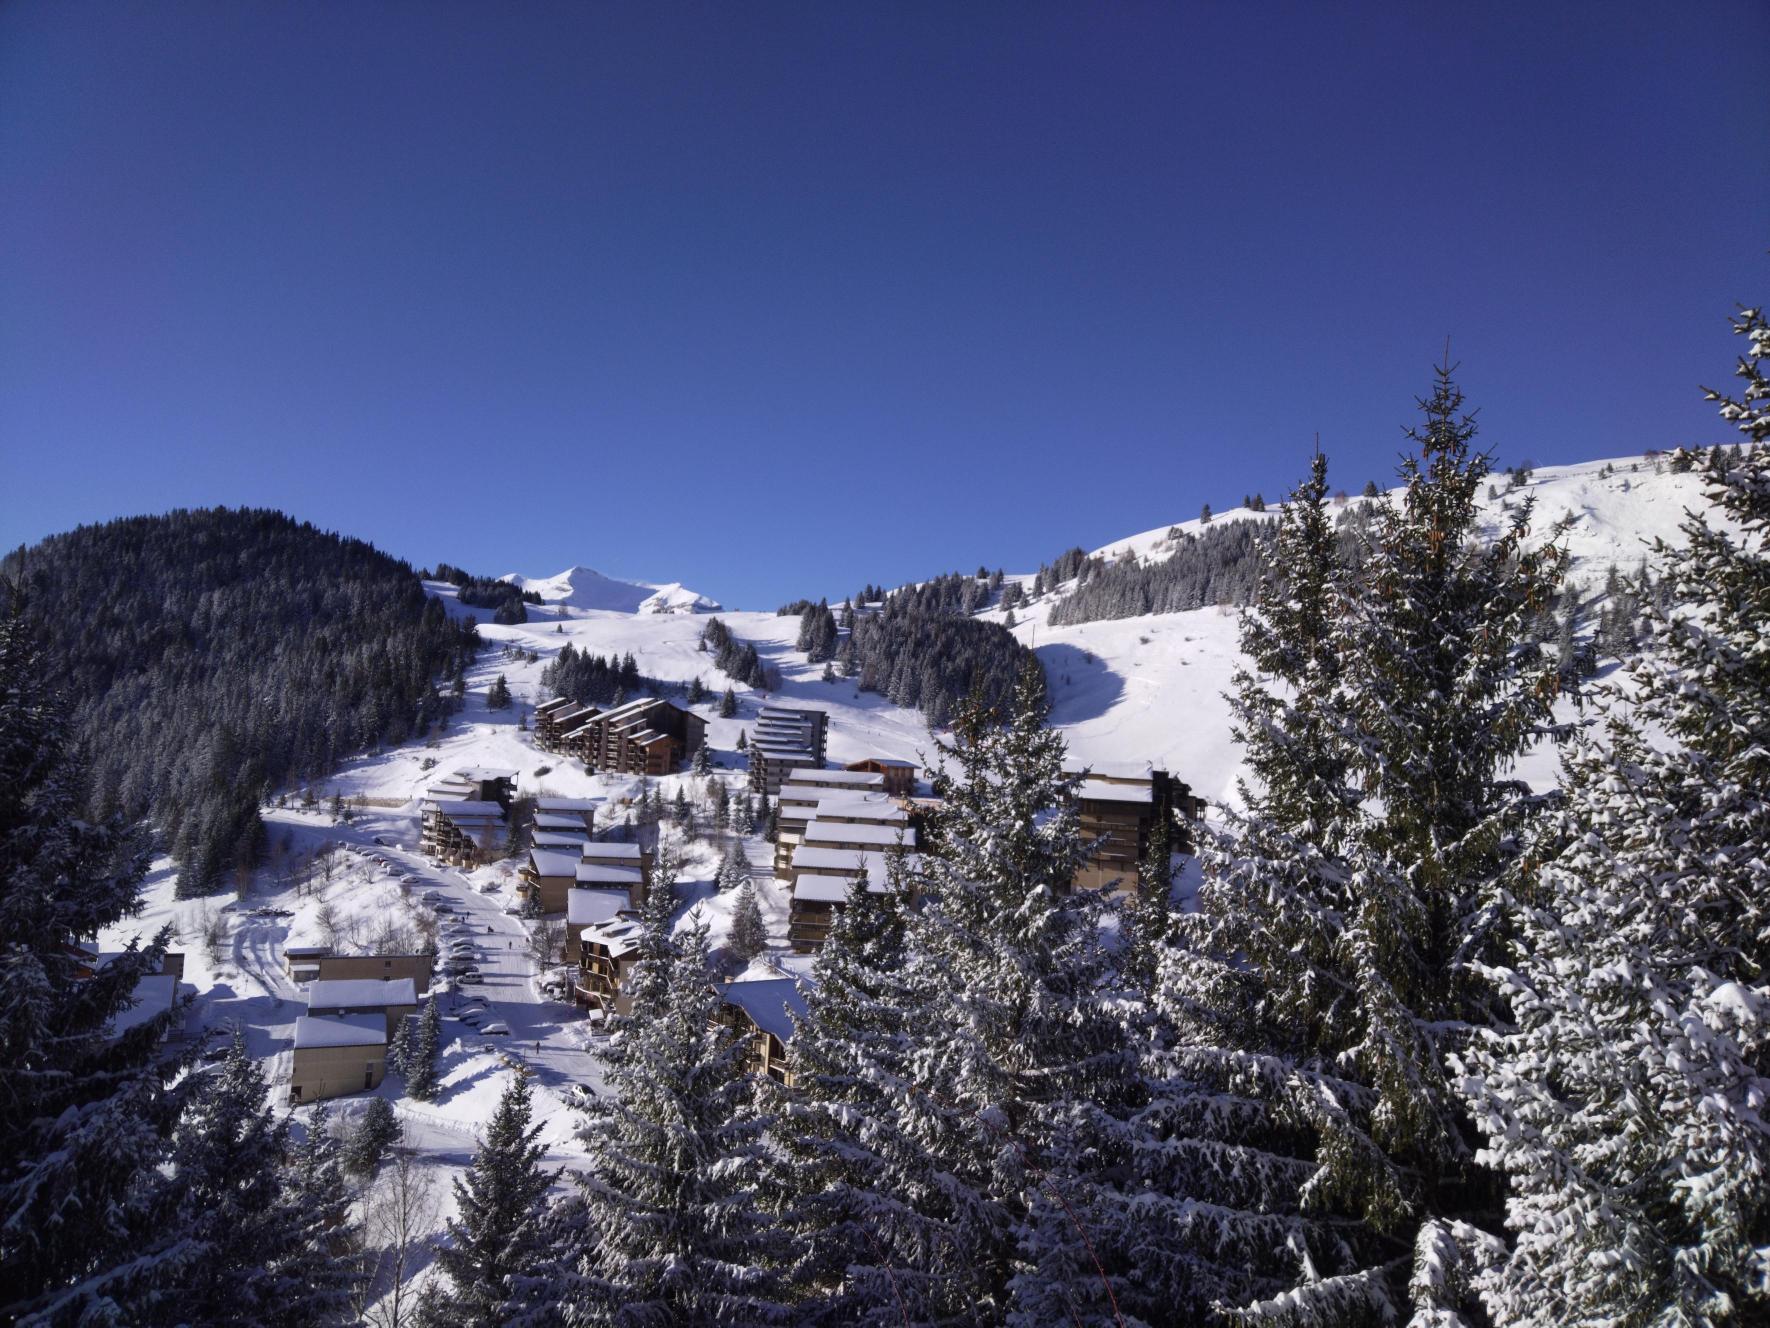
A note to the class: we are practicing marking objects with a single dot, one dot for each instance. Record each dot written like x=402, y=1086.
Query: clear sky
x=777, y=299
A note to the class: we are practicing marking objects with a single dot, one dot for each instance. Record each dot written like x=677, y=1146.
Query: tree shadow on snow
x=1080, y=684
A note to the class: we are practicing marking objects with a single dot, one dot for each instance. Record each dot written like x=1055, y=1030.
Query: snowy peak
x=586, y=589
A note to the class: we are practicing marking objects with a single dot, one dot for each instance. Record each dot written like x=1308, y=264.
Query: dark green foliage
x=212, y=654
x=498, y=695
x=420, y=1058
x=737, y=659
x=486, y=593
x=498, y=1218
x=593, y=680
x=84, y=1118
x=371, y=1137
x=1219, y=565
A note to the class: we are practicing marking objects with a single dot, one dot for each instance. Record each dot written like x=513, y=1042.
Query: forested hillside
x=209, y=655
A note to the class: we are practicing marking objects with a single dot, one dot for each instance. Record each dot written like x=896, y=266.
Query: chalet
x=899, y=776
x=816, y=900
x=558, y=717
x=460, y=831
x=390, y=999
x=763, y=1012
x=589, y=908
x=645, y=737
x=564, y=815
x=800, y=804
x=545, y=877
x=785, y=740
x=1119, y=805
x=861, y=836
x=346, y=968
x=606, y=955
x=809, y=860
x=337, y=1054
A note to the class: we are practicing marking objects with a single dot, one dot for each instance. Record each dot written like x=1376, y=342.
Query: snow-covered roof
x=1099, y=790
x=817, y=889
x=608, y=873
x=620, y=937
x=340, y=1030
x=898, y=762
x=860, y=779
x=866, y=808
x=561, y=839
x=480, y=773
x=560, y=820
x=1110, y=769
x=588, y=908
x=565, y=804
x=154, y=995
x=771, y=1003
x=464, y=809
x=552, y=862
x=604, y=850
x=829, y=861
x=881, y=836
x=347, y=993
x=307, y=951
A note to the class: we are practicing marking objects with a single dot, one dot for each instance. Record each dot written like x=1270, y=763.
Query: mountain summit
x=587, y=589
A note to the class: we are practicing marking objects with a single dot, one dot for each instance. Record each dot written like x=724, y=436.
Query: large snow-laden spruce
x=1020, y=1081
x=494, y=1233
x=673, y=1231
x=1318, y=990
x=869, y=1203
x=1628, y=1105
x=243, y=1232
x=85, y=1116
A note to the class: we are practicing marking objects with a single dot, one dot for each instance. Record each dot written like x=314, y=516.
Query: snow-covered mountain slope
x=1135, y=689
x=584, y=588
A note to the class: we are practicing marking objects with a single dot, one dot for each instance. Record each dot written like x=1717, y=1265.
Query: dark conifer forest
x=207, y=657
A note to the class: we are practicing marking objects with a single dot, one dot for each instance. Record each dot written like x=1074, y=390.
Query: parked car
x=579, y=1095
x=383, y=841
x=431, y=896
x=470, y=975
x=471, y=1018
x=497, y=1028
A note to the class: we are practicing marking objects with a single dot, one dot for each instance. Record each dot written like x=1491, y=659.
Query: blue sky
x=778, y=299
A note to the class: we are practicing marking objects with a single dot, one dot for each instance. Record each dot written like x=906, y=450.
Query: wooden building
x=461, y=832
x=762, y=1012
x=335, y=1055
x=606, y=955
x=798, y=805
x=645, y=737
x=899, y=776
x=586, y=908
x=785, y=739
x=302, y=962
x=1119, y=806
x=550, y=873
x=558, y=717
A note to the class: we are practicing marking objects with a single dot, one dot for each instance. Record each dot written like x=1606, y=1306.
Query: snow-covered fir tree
x=1326, y=975
x=860, y=1191
x=1021, y=1082
x=376, y=1131
x=86, y=1115
x=497, y=1220
x=673, y=1232
x=236, y=1242
x=420, y=1059
x=749, y=933
x=1626, y=1103
x=734, y=866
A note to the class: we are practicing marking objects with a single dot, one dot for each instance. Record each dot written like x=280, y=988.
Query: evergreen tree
x=237, y=1243
x=420, y=1059
x=734, y=867
x=1325, y=977
x=673, y=1232
x=86, y=1115
x=743, y=741
x=400, y=1047
x=1204, y=515
x=1625, y=1101
x=703, y=760
x=371, y=1137
x=697, y=691
x=498, y=1218
x=728, y=704
x=498, y=695
x=870, y=1252
x=1022, y=1082
x=749, y=933
x=743, y=816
